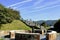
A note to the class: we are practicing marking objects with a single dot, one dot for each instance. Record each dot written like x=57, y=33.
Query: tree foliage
x=7, y=15
x=57, y=25
x=44, y=24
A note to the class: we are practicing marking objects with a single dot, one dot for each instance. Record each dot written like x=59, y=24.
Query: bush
x=57, y=26
x=7, y=15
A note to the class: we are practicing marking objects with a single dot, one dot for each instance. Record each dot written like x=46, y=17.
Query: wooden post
x=38, y=37
x=54, y=35
x=12, y=35
x=51, y=36
x=42, y=32
x=32, y=29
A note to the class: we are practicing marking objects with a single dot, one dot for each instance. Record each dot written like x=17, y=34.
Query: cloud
x=45, y=8
x=19, y=3
x=36, y=3
x=32, y=11
x=47, y=4
x=36, y=8
x=17, y=7
x=52, y=7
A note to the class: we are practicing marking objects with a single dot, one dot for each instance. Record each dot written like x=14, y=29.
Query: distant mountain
x=48, y=22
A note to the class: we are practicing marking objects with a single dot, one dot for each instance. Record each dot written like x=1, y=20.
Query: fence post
x=51, y=36
x=12, y=35
x=32, y=29
x=38, y=37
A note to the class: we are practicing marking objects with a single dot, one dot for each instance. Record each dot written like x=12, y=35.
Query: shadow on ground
x=43, y=39
x=7, y=36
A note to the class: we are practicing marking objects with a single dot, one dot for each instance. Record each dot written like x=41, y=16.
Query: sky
x=35, y=9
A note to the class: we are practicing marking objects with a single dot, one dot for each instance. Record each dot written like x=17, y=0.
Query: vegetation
x=15, y=25
x=10, y=19
x=1, y=39
x=57, y=25
x=44, y=24
x=7, y=15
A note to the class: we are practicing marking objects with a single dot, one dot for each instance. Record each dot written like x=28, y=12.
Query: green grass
x=15, y=25
x=47, y=28
x=1, y=39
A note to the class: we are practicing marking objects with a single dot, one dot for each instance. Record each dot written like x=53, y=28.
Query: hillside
x=48, y=22
x=15, y=25
x=9, y=19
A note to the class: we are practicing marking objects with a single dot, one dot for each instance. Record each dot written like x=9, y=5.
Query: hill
x=15, y=25
x=9, y=19
x=48, y=22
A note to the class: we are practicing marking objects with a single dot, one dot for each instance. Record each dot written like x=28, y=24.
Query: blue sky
x=35, y=9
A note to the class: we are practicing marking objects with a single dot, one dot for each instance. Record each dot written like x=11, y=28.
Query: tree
x=57, y=25
x=7, y=15
x=44, y=24
x=14, y=14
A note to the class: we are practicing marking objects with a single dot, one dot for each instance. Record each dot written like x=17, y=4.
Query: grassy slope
x=15, y=25
x=1, y=39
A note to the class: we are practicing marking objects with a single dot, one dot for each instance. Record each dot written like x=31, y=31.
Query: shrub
x=57, y=26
